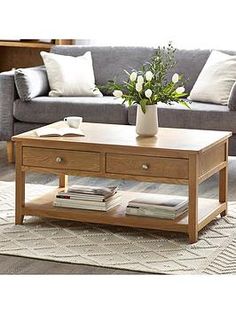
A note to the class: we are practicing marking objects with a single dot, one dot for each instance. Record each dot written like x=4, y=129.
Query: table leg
x=223, y=183
x=20, y=187
x=63, y=181
x=223, y=188
x=193, y=200
x=10, y=152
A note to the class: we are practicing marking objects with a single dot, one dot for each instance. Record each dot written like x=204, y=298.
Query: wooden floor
x=21, y=265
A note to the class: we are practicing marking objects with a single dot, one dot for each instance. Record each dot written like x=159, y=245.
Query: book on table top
x=53, y=132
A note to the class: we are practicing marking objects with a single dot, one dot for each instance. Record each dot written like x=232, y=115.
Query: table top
x=188, y=140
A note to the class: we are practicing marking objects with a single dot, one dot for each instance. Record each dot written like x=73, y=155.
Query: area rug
x=117, y=247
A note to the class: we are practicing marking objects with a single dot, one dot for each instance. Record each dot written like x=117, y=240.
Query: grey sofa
x=17, y=116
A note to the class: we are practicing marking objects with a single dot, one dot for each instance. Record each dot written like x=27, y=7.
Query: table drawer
x=147, y=166
x=61, y=159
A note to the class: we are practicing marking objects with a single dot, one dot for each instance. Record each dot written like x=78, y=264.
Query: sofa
x=18, y=116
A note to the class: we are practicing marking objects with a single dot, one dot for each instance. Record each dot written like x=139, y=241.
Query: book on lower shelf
x=158, y=206
x=88, y=197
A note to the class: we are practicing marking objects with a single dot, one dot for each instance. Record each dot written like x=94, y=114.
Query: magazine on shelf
x=88, y=202
x=53, y=132
x=100, y=206
x=92, y=190
x=85, y=197
x=162, y=214
x=166, y=202
x=82, y=197
x=158, y=206
x=88, y=197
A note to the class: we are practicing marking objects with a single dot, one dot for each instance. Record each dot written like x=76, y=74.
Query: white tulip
x=175, y=78
x=138, y=87
x=133, y=76
x=180, y=90
x=117, y=93
x=148, y=93
x=149, y=76
x=140, y=80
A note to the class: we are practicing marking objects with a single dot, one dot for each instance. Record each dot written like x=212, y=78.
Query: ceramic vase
x=147, y=123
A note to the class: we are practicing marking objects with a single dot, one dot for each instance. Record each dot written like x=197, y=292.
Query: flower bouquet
x=149, y=86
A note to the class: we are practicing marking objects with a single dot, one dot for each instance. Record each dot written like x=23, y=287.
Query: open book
x=51, y=132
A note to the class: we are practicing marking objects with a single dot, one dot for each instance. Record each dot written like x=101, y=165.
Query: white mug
x=73, y=122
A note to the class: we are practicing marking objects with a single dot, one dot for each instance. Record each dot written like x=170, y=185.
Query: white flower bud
x=148, y=93
x=149, y=76
x=180, y=90
x=117, y=93
x=133, y=76
x=140, y=80
x=175, y=78
x=138, y=87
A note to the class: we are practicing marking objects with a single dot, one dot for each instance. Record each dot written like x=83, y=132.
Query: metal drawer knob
x=145, y=167
x=58, y=160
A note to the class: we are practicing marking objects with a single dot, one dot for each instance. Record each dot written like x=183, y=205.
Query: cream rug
x=117, y=247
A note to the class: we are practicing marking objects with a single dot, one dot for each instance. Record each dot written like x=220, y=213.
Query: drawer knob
x=145, y=167
x=58, y=160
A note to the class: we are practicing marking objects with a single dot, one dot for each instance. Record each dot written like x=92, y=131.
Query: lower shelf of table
x=43, y=207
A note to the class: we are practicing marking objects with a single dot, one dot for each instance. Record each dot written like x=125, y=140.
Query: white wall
x=187, y=23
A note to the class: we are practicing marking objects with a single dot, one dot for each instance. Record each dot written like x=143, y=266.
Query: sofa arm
x=8, y=94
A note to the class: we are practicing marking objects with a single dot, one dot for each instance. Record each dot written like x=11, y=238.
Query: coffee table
x=179, y=156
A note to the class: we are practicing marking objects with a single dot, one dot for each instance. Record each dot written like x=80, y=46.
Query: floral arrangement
x=149, y=85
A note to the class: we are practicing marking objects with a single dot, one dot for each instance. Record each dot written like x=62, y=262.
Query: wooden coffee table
x=177, y=156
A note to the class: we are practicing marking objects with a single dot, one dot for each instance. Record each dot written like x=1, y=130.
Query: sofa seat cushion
x=200, y=116
x=92, y=109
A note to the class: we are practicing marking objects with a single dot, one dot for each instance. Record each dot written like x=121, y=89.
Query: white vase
x=147, y=123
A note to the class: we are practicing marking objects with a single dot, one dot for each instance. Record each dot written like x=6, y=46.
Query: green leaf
x=184, y=103
x=127, y=72
x=163, y=89
x=143, y=104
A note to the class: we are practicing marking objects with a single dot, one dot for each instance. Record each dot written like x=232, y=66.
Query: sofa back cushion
x=216, y=79
x=31, y=82
x=70, y=76
x=189, y=63
x=110, y=62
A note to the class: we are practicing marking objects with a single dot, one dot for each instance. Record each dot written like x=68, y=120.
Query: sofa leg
x=10, y=152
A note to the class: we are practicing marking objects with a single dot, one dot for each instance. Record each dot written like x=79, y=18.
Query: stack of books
x=158, y=206
x=88, y=197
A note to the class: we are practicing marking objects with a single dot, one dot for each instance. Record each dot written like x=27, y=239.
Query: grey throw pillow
x=31, y=82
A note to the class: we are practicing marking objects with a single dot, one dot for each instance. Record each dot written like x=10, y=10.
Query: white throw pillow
x=216, y=79
x=70, y=76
